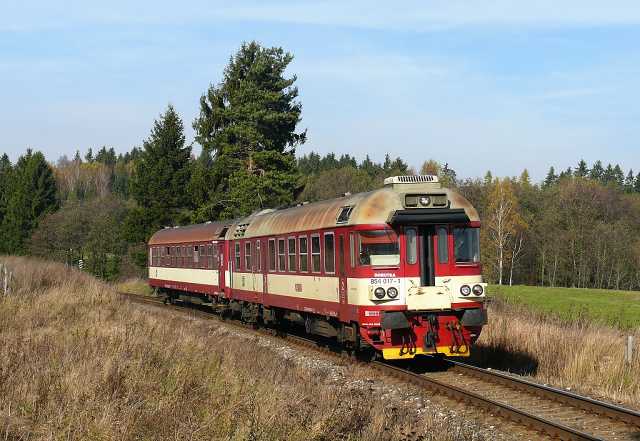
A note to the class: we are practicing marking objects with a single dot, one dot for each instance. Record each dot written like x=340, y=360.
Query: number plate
x=383, y=281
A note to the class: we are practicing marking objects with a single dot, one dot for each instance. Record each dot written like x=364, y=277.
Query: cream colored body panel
x=185, y=275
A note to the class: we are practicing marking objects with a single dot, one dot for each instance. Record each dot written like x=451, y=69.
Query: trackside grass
x=78, y=363
x=618, y=309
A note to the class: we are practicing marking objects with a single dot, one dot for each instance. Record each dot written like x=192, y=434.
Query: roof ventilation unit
x=411, y=179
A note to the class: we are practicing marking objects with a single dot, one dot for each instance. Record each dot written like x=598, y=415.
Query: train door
x=427, y=260
x=222, y=266
x=342, y=280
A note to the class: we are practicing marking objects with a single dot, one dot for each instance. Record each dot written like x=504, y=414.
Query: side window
x=237, y=255
x=258, y=258
x=272, y=255
x=315, y=253
x=304, y=254
x=282, y=261
x=292, y=254
x=247, y=256
x=443, y=245
x=341, y=262
x=329, y=254
x=210, y=254
x=412, y=245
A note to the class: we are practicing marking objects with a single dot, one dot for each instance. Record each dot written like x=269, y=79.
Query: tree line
x=576, y=228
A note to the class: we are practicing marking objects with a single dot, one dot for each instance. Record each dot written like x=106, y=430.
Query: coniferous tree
x=636, y=185
x=551, y=178
x=597, y=171
x=628, y=182
x=32, y=195
x=5, y=181
x=161, y=173
x=247, y=125
x=89, y=156
x=582, y=170
x=618, y=176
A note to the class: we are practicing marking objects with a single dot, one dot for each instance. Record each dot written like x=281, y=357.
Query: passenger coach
x=396, y=270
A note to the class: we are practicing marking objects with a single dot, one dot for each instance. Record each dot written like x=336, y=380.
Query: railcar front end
x=419, y=277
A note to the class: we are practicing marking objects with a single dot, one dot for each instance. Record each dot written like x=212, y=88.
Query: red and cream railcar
x=396, y=269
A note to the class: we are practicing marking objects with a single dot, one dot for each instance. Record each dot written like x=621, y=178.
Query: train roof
x=387, y=205
x=377, y=207
x=206, y=232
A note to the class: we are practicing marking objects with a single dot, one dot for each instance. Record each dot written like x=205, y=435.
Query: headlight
x=425, y=200
x=379, y=293
x=478, y=290
x=392, y=292
x=465, y=290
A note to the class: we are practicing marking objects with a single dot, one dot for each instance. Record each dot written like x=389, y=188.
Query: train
x=393, y=272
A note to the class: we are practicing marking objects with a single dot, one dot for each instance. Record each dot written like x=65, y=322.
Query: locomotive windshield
x=378, y=248
x=467, y=245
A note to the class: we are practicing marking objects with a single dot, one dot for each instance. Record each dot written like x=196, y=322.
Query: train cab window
x=467, y=245
x=272, y=254
x=329, y=254
x=443, y=245
x=237, y=256
x=247, y=256
x=282, y=260
x=315, y=253
x=293, y=267
x=258, y=258
x=378, y=248
x=411, y=235
x=304, y=254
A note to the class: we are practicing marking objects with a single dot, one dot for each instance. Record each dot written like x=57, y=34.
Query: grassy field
x=618, y=309
x=78, y=363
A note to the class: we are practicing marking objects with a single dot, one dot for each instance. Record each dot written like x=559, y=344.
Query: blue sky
x=498, y=85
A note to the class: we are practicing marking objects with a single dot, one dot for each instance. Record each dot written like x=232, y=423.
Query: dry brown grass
x=77, y=363
x=583, y=357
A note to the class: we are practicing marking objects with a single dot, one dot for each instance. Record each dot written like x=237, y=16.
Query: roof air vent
x=411, y=179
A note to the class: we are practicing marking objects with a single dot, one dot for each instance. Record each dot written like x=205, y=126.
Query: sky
x=501, y=85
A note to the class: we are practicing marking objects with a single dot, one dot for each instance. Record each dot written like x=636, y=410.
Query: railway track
x=551, y=412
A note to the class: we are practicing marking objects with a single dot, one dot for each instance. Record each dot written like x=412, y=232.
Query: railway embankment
x=78, y=363
x=581, y=355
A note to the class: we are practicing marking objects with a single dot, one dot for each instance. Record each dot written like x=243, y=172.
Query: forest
x=577, y=228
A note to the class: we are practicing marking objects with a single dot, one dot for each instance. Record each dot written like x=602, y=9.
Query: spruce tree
x=551, y=178
x=628, y=182
x=5, y=180
x=597, y=172
x=161, y=172
x=582, y=170
x=636, y=185
x=247, y=126
x=32, y=195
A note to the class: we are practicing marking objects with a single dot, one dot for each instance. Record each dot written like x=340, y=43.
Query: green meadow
x=620, y=309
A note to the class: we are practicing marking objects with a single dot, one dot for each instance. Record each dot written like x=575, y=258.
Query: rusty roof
x=374, y=207
x=190, y=233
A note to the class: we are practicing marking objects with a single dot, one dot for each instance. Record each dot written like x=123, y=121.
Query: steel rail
x=565, y=397
x=517, y=416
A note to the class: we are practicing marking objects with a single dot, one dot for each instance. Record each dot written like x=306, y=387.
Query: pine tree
x=618, y=176
x=161, y=172
x=636, y=185
x=247, y=125
x=628, y=182
x=33, y=194
x=551, y=178
x=582, y=170
x=5, y=181
x=608, y=175
x=89, y=156
x=597, y=172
